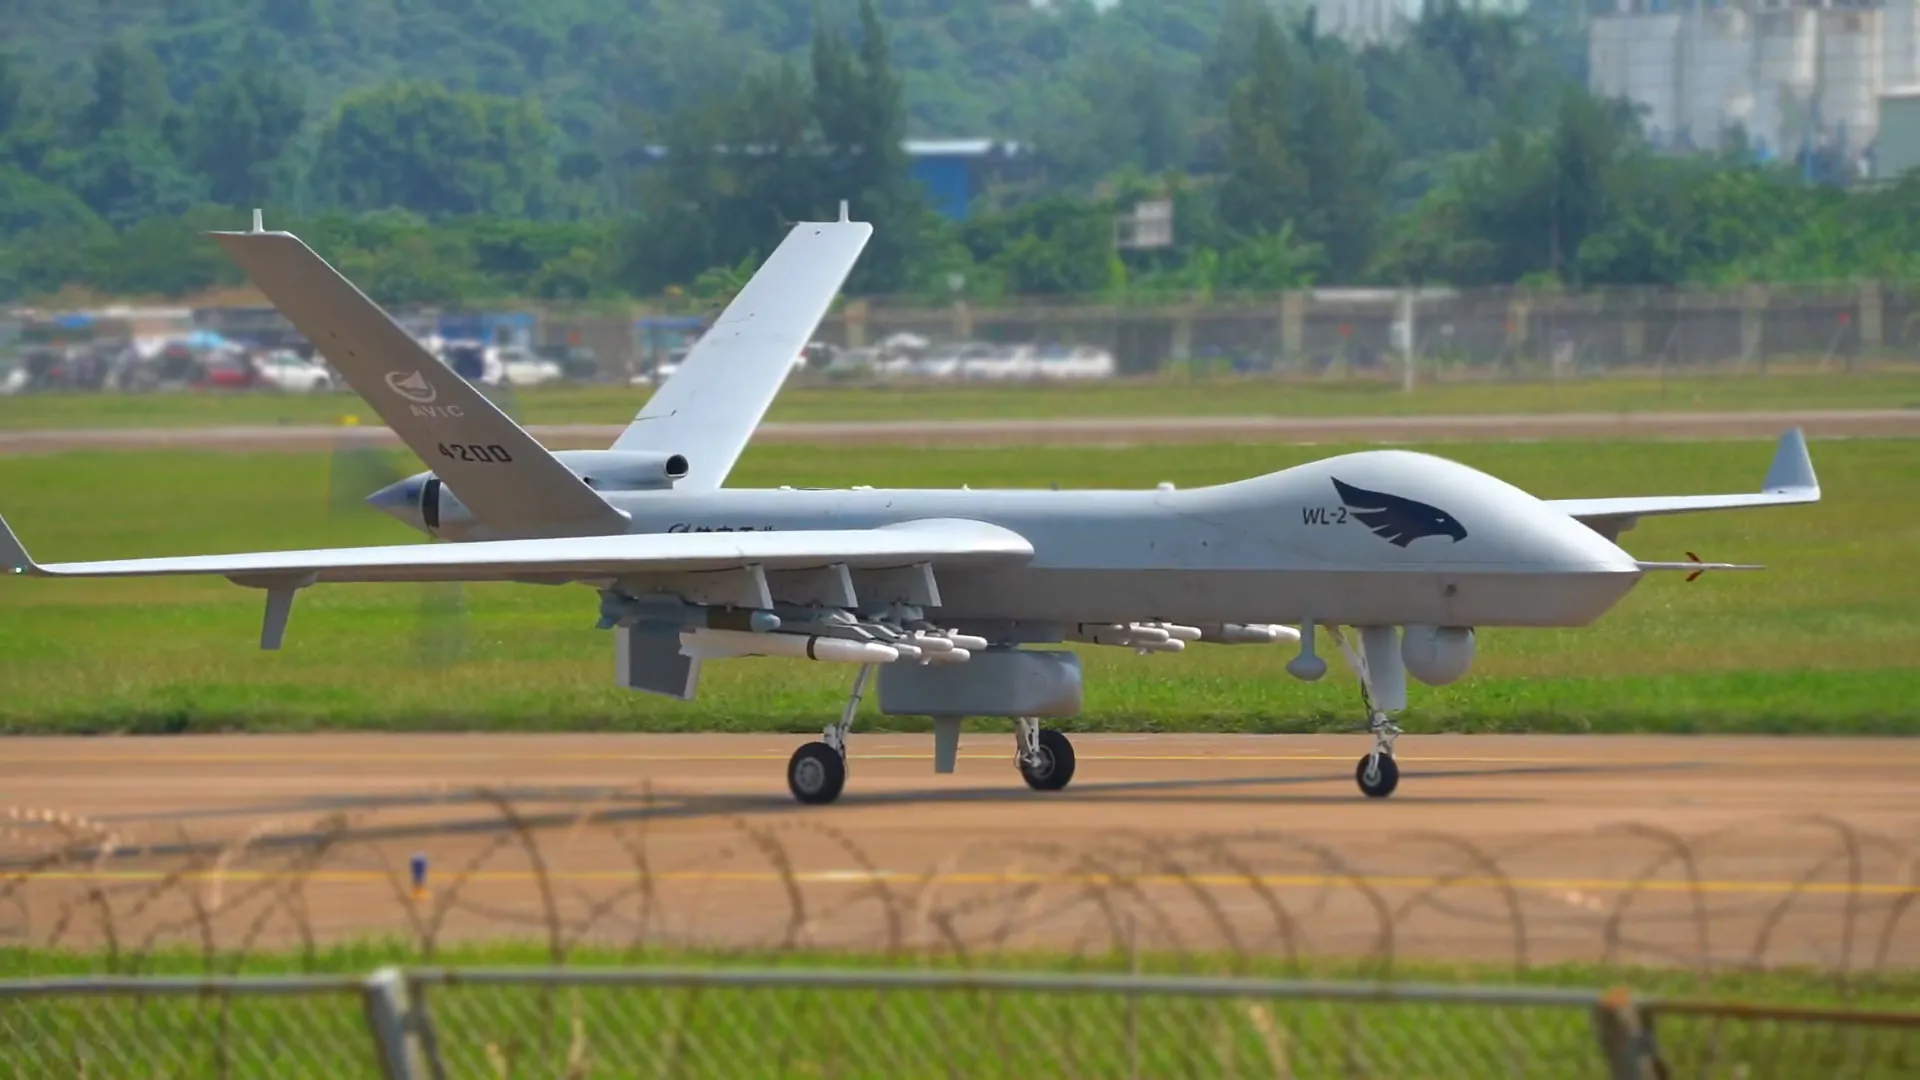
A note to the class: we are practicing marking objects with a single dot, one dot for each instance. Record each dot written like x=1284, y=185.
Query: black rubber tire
x=816, y=773
x=1056, y=763
x=1389, y=776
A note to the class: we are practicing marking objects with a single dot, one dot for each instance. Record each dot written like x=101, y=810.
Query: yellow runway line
x=135, y=759
x=868, y=877
x=521, y=759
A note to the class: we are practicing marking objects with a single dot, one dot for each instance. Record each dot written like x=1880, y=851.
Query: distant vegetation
x=449, y=152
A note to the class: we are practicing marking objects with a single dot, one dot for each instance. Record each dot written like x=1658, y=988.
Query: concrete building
x=1796, y=75
x=1383, y=22
x=1366, y=22
x=1896, y=151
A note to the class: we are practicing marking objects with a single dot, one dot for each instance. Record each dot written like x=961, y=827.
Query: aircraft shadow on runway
x=618, y=805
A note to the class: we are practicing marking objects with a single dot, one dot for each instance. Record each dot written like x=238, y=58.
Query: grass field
x=584, y=1031
x=1825, y=640
x=1168, y=396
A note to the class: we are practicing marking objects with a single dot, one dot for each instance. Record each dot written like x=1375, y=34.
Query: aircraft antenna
x=259, y=221
x=843, y=210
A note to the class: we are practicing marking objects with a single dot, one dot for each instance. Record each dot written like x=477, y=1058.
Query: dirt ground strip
x=1515, y=849
x=1859, y=423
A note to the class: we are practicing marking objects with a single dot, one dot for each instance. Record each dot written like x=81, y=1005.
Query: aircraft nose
x=1563, y=541
x=400, y=499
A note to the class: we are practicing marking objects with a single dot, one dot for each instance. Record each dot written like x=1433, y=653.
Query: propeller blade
x=357, y=468
x=442, y=631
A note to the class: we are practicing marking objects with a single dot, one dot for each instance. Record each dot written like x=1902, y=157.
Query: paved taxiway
x=1500, y=847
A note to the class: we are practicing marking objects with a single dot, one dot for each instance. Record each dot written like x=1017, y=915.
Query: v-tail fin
x=509, y=482
x=709, y=408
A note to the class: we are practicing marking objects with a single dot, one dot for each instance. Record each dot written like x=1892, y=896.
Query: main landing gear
x=817, y=772
x=1044, y=755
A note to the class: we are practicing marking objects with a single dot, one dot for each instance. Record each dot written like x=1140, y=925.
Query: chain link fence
x=436, y=1024
x=301, y=1028
x=1359, y=333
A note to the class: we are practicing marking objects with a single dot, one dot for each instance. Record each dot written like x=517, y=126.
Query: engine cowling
x=1437, y=655
x=624, y=470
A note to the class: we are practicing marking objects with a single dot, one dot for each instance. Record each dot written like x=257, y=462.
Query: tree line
x=1468, y=152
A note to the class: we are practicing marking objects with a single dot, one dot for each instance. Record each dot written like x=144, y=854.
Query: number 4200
x=475, y=452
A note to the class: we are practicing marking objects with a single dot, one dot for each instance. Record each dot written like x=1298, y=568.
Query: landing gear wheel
x=816, y=773
x=1377, y=783
x=1052, y=765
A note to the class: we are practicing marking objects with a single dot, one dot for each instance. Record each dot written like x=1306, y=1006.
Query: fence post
x=1406, y=336
x=1872, y=313
x=1753, y=320
x=1625, y=1040
x=1293, y=332
x=387, y=1018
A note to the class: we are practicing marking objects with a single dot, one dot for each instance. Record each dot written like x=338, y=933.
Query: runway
x=1818, y=423
x=1515, y=849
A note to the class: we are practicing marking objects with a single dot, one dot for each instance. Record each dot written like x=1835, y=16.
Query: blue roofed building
x=954, y=171
x=512, y=328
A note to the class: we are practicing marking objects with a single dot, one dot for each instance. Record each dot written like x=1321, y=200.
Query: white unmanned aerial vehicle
x=942, y=591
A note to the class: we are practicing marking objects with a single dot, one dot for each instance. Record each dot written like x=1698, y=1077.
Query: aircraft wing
x=710, y=407
x=500, y=472
x=1790, y=482
x=943, y=542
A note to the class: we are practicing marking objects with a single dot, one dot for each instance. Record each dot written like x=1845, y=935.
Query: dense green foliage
x=448, y=150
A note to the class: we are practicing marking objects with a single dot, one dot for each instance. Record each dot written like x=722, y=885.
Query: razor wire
x=567, y=875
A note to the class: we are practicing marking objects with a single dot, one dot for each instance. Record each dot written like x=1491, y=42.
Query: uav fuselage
x=1379, y=537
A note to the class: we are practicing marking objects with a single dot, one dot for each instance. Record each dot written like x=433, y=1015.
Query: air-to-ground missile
x=1250, y=634
x=716, y=643
x=1131, y=636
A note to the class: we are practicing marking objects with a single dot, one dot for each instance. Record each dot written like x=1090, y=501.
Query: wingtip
x=13, y=554
x=1792, y=468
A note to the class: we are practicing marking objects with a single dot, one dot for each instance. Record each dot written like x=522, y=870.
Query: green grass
x=1171, y=395
x=490, y=1030
x=1825, y=640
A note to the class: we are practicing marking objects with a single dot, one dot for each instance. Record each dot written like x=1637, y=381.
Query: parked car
x=226, y=371
x=284, y=369
x=521, y=367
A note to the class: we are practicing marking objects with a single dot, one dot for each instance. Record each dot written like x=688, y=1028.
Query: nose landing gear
x=1383, y=690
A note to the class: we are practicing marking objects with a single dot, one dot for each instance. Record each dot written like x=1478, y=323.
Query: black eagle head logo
x=1396, y=520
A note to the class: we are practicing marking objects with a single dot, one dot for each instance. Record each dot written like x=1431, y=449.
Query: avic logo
x=413, y=386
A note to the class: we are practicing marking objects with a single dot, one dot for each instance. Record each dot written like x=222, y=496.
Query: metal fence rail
x=1503, y=332
x=576, y=1023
